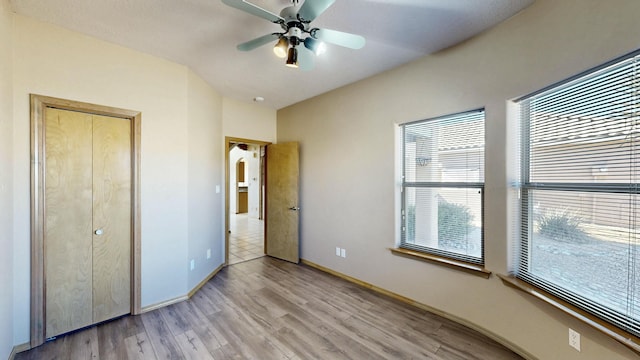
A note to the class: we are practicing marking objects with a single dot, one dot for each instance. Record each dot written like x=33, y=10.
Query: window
x=580, y=166
x=442, y=186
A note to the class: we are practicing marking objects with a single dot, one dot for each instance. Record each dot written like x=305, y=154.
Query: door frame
x=39, y=104
x=227, y=147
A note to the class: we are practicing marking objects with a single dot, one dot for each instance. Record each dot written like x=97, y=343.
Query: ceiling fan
x=298, y=41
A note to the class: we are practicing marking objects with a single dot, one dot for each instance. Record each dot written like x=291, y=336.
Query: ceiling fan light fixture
x=280, y=49
x=292, y=58
x=295, y=22
x=316, y=46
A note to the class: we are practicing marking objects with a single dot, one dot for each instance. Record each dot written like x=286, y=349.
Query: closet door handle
x=98, y=232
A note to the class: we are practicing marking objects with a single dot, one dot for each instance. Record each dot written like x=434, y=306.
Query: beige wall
x=205, y=168
x=181, y=151
x=6, y=181
x=248, y=120
x=349, y=152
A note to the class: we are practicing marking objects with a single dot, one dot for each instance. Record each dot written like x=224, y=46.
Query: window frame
x=447, y=258
x=551, y=292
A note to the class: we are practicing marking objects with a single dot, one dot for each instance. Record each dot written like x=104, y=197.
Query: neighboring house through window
x=580, y=161
x=442, y=186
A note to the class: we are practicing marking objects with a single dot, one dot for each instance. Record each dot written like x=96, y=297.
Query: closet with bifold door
x=87, y=218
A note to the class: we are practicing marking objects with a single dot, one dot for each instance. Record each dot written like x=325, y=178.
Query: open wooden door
x=282, y=211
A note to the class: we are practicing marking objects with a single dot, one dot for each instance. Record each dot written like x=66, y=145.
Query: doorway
x=93, y=223
x=245, y=201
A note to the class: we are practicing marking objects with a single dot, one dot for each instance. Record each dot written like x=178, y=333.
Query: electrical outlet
x=343, y=253
x=337, y=251
x=574, y=339
x=193, y=264
x=208, y=253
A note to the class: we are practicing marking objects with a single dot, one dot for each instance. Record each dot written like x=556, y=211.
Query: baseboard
x=183, y=297
x=204, y=281
x=163, y=304
x=18, y=349
x=24, y=347
x=515, y=348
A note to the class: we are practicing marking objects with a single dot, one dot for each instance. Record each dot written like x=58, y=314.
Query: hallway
x=246, y=240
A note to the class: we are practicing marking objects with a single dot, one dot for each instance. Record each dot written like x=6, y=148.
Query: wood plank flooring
x=270, y=309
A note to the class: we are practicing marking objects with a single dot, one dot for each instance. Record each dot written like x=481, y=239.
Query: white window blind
x=580, y=198
x=443, y=180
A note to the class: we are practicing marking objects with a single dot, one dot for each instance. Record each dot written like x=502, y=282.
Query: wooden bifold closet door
x=87, y=219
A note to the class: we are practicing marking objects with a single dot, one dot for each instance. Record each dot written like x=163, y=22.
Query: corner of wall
x=248, y=121
x=7, y=332
x=205, y=176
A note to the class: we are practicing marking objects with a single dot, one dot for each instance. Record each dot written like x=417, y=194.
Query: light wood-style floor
x=270, y=309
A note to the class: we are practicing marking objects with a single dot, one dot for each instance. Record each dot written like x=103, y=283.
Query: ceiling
x=203, y=34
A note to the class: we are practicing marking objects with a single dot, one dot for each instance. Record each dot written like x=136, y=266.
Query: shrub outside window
x=580, y=161
x=442, y=186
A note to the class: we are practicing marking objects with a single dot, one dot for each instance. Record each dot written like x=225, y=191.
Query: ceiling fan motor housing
x=292, y=25
x=295, y=36
x=295, y=23
x=289, y=14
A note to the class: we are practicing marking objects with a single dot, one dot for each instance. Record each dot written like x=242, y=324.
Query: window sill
x=623, y=337
x=454, y=264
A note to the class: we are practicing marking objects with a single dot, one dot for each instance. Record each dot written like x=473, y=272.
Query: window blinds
x=443, y=179
x=580, y=226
